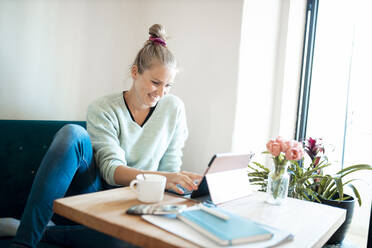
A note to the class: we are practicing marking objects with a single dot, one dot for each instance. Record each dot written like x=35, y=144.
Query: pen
x=213, y=212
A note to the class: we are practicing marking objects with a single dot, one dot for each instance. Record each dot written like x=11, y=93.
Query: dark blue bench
x=23, y=144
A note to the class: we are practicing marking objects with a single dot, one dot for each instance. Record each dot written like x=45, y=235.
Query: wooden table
x=311, y=223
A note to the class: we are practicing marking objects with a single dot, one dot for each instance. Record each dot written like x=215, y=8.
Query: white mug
x=150, y=187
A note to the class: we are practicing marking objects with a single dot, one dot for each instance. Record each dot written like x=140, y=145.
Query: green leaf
x=316, y=176
x=329, y=189
x=257, y=174
x=356, y=193
x=338, y=189
x=355, y=168
x=262, y=184
x=305, y=196
x=256, y=180
x=312, y=193
x=252, y=168
x=299, y=170
x=322, y=185
x=327, y=186
x=327, y=179
x=311, y=171
x=351, y=180
x=351, y=169
x=261, y=166
x=331, y=193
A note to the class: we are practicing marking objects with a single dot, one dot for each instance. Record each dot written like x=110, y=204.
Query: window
x=339, y=93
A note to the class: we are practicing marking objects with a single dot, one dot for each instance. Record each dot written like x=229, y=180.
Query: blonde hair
x=154, y=51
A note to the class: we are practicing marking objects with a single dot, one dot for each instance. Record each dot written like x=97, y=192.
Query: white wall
x=206, y=39
x=57, y=56
x=260, y=30
x=269, y=75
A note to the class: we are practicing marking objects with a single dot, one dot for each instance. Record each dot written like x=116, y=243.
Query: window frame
x=306, y=69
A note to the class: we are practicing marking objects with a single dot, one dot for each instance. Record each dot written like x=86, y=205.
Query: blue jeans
x=67, y=169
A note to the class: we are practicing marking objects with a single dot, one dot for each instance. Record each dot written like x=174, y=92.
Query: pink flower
x=287, y=144
x=295, y=152
x=276, y=149
x=269, y=144
x=292, y=147
x=282, y=142
x=273, y=147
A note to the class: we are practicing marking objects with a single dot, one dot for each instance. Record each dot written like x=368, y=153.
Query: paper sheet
x=173, y=225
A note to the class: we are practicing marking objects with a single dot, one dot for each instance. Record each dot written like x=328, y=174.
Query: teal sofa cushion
x=5, y=242
x=23, y=144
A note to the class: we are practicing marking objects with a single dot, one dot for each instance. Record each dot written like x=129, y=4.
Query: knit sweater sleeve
x=172, y=158
x=103, y=129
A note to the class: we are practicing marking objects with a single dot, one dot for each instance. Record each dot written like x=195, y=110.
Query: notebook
x=236, y=230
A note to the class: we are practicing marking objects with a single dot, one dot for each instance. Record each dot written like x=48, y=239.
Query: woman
x=142, y=130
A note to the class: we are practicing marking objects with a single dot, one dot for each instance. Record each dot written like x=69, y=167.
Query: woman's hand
x=183, y=178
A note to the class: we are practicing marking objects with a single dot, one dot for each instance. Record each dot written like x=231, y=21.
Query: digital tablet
x=224, y=172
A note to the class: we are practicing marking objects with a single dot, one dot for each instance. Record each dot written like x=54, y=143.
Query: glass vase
x=277, y=184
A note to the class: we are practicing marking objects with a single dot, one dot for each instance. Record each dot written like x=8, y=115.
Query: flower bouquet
x=282, y=152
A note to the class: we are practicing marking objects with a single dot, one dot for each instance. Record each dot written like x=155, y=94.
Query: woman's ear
x=134, y=72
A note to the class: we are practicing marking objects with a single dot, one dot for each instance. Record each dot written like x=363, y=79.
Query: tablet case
x=226, y=178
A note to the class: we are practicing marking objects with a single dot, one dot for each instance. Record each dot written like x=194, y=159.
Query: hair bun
x=158, y=31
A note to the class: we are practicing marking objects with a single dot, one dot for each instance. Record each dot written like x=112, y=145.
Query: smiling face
x=150, y=86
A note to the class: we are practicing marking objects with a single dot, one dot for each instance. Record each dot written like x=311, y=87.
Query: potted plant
x=308, y=182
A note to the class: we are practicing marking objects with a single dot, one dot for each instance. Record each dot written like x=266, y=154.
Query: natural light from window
x=339, y=110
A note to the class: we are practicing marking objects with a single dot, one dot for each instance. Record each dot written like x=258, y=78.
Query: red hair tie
x=158, y=41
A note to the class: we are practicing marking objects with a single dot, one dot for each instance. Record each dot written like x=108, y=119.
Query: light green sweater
x=119, y=141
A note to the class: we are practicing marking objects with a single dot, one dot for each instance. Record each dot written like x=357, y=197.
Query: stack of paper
x=178, y=227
